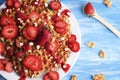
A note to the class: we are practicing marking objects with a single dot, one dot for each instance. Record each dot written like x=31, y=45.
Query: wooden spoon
x=90, y=11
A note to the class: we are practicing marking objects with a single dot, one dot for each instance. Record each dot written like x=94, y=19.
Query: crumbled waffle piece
x=74, y=77
x=102, y=54
x=108, y=3
x=98, y=77
x=90, y=44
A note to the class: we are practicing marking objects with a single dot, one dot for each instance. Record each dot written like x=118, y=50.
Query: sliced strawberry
x=65, y=12
x=9, y=3
x=2, y=47
x=32, y=32
x=8, y=67
x=55, y=5
x=60, y=24
x=6, y=20
x=66, y=67
x=17, y=4
x=52, y=47
x=21, y=15
x=9, y=31
x=32, y=62
x=61, y=30
x=55, y=18
x=43, y=36
x=72, y=38
x=19, y=54
x=34, y=15
x=25, y=33
x=74, y=46
x=89, y=9
x=52, y=75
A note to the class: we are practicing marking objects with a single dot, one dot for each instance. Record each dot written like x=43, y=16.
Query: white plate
x=72, y=59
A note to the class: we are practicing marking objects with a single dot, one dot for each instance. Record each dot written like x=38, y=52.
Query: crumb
x=91, y=44
x=98, y=77
x=102, y=54
x=74, y=77
x=108, y=3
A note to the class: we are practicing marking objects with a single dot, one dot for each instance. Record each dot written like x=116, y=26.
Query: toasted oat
x=90, y=44
x=108, y=3
x=102, y=54
x=98, y=77
x=74, y=77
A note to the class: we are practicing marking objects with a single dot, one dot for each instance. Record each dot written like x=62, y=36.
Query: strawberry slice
x=9, y=31
x=60, y=24
x=66, y=67
x=72, y=38
x=8, y=67
x=32, y=62
x=52, y=75
x=17, y=4
x=2, y=48
x=65, y=12
x=52, y=47
x=6, y=20
x=43, y=36
x=34, y=15
x=55, y=18
x=61, y=30
x=9, y=3
x=25, y=33
x=89, y=9
x=74, y=46
x=21, y=15
x=55, y=5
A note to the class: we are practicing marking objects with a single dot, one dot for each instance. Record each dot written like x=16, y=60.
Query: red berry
x=8, y=67
x=74, y=46
x=35, y=15
x=9, y=3
x=66, y=67
x=61, y=30
x=72, y=38
x=6, y=20
x=32, y=62
x=89, y=9
x=21, y=15
x=55, y=5
x=52, y=75
x=60, y=24
x=52, y=47
x=17, y=4
x=2, y=47
x=55, y=18
x=65, y=12
x=9, y=31
x=44, y=36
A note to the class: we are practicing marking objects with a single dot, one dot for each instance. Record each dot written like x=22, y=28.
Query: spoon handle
x=109, y=26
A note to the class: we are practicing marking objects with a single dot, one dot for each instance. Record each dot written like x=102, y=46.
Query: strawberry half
x=89, y=9
x=2, y=48
x=9, y=3
x=60, y=24
x=8, y=67
x=32, y=62
x=21, y=15
x=55, y=5
x=66, y=67
x=17, y=4
x=52, y=75
x=74, y=46
x=72, y=38
x=34, y=15
x=65, y=12
x=9, y=31
x=6, y=20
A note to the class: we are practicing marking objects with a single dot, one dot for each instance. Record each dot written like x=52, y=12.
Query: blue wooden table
x=89, y=62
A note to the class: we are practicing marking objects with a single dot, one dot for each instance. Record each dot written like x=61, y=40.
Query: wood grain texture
x=89, y=62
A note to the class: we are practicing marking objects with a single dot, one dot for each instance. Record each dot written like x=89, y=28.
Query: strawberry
x=34, y=15
x=51, y=47
x=19, y=54
x=22, y=78
x=6, y=20
x=2, y=67
x=17, y=4
x=61, y=30
x=2, y=47
x=66, y=67
x=26, y=47
x=60, y=24
x=43, y=36
x=55, y=5
x=72, y=38
x=8, y=67
x=65, y=12
x=74, y=46
x=22, y=74
x=21, y=15
x=89, y=9
x=10, y=51
x=9, y=31
x=25, y=33
x=52, y=75
x=55, y=18
x=9, y=3
x=32, y=62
